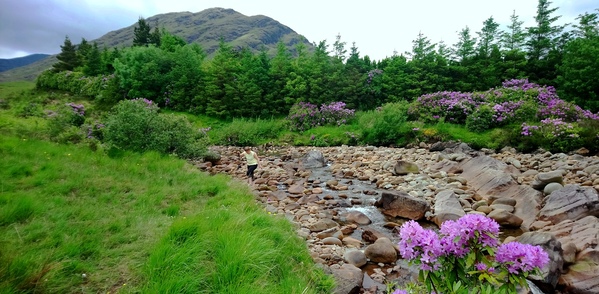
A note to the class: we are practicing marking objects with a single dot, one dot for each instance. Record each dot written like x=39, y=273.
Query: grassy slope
x=134, y=223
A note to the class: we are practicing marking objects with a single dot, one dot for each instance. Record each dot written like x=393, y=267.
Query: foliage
x=466, y=257
x=246, y=132
x=304, y=116
x=67, y=58
x=387, y=125
x=136, y=125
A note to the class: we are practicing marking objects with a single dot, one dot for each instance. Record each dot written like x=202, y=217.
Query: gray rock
x=314, y=159
x=551, y=187
x=542, y=179
x=505, y=218
x=358, y=217
x=382, y=251
x=507, y=208
x=355, y=257
x=322, y=224
x=332, y=241
x=447, y=207
x=349, y=279
x=403, y=168
x=402, y=204
x=571, y=202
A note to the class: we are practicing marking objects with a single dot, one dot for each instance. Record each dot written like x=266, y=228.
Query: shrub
x=304, y=116
x=137, y=125
x=467, y=257
x=482, y=119
x=386, y=125
x=69, y=117
x=554, y=135
x=246, y=132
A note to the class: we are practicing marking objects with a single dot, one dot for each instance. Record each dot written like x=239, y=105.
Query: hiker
x=253, y=162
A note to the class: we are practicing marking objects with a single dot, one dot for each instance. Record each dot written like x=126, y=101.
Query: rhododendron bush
x=465, y=256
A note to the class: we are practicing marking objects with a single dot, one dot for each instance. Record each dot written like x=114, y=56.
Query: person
x=253, y=162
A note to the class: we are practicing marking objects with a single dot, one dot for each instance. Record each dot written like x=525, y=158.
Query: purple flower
x=416, y=242
x=398, y=291
x=520, y=258
x=460, y=236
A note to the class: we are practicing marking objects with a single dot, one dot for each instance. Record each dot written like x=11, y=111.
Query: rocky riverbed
x=348, y=201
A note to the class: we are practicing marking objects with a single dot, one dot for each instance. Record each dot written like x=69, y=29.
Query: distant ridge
x=8, y=64
x=205, y=28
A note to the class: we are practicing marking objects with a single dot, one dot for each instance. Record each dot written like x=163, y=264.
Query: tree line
x=236, y=82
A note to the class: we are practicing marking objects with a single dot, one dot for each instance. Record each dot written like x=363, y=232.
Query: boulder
x=322, y=224
x=402, y=204
x=355, y=257
x=447, y=207
x=348, y=278
x=313, y=159
x=357, y=217
x=505, y=218
x=382, y=251
x=403, y=168
x=571, y=202
x=542, y=179
x=370, y=235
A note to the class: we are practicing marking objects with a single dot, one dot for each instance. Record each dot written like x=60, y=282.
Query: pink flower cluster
x=78, y=109
x=458, y=238
x=521, y=258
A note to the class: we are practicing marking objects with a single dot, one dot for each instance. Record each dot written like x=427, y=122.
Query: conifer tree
x=93, y=63
x=67, y=58
x=142, y=35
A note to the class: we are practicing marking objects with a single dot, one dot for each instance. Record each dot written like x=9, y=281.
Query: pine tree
x=464, y=48
x=542, y=37
x=93, y=64
x=514, y=37
x=142, y=35
x=67, y=58
x=488, y=37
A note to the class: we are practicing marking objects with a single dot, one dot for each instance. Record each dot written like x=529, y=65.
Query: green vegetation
x=73, y=220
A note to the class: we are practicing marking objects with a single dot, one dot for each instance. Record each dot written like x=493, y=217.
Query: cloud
x=34, y=26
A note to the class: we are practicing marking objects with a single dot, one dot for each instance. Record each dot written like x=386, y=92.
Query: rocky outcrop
x=582, y=259
x=488, y=177
x=570, y=203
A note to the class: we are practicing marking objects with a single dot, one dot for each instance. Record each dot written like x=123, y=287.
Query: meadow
x=75, y=219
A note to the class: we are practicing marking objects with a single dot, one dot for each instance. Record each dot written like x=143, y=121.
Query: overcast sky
x=378, y=27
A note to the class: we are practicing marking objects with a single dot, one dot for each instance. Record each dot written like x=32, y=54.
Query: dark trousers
x=251, y=169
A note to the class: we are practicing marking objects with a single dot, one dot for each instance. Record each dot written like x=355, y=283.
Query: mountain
x=7, y=64
x=206, y=28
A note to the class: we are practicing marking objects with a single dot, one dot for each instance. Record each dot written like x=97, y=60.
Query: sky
x=377, y=27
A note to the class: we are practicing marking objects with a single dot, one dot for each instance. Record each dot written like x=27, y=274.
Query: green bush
x=387, y=125
x=246, y=132
x=481, y=119
x=69, y=117
x=138, y=126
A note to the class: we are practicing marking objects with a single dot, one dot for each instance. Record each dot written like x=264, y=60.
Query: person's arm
x=257, y=159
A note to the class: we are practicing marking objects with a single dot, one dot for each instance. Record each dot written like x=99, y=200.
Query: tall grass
x=75, y=221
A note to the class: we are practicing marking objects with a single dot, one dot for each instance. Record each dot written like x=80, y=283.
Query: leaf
x=470, y=259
